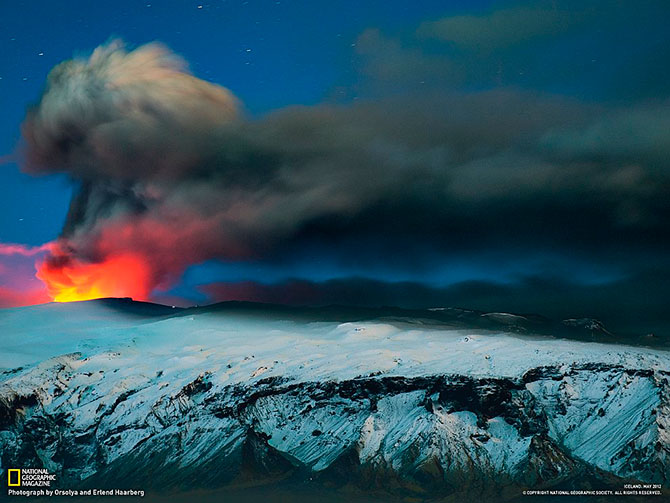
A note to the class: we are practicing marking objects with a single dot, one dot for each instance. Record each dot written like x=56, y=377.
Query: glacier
x=110, y=392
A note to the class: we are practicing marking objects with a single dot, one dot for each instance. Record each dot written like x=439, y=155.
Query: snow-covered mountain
x=121, y=394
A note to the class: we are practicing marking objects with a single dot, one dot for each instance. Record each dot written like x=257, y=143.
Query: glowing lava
x=70, y=280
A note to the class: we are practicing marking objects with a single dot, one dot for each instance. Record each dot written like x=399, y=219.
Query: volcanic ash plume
x=125, y=126
x=170, y=175
x=125, y=115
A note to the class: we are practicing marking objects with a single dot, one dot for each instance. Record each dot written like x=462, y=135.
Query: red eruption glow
x=125, y=275
x=128, y=257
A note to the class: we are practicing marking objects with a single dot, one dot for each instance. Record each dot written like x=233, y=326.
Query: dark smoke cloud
x=590, y=48
x=517, y=23
x=170, y=169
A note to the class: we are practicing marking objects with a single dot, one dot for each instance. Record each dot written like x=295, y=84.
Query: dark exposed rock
x=277, y=429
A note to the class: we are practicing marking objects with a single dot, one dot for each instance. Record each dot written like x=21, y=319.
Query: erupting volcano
x=68, y=279
x=480, y=197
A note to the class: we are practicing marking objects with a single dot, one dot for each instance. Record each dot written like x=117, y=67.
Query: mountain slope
x=210, y=399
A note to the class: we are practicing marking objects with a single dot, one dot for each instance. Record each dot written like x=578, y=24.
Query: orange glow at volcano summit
x=69, y=279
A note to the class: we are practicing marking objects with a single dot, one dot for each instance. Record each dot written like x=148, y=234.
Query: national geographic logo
x=29, y=477
x=14, y=477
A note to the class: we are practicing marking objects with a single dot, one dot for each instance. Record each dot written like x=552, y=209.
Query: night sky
x=494, y=155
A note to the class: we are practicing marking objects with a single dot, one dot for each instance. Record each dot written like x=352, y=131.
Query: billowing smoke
x=124, y=115
x=127, y=126
x=171, y=174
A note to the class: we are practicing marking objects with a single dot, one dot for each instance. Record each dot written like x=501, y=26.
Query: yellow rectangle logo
x=14, y=477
